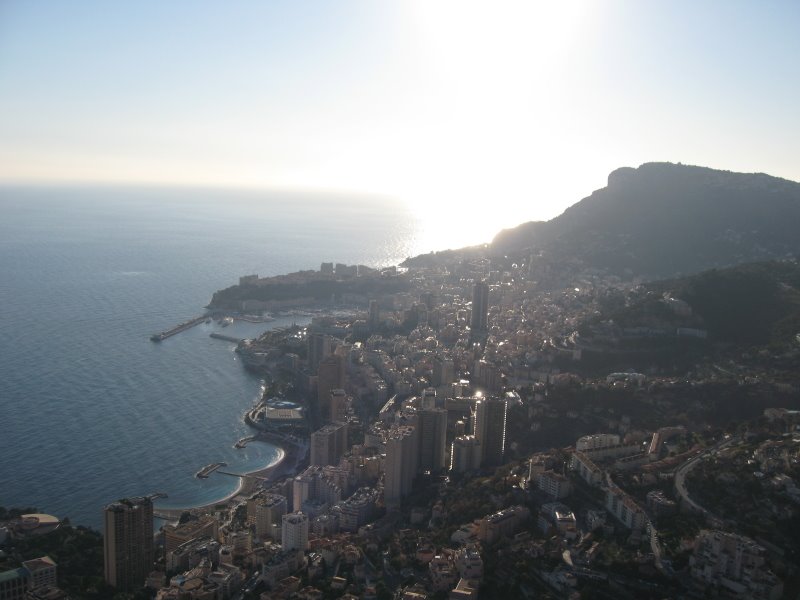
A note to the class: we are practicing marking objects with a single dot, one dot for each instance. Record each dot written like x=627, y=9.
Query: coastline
x=289, y=455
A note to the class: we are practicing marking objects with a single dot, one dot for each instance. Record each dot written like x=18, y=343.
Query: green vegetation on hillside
x=757, y=303
x=662, y=219
x=78, y=552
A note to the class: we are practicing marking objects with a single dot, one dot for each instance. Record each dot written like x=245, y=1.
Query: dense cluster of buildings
x=36, y=579
x=420, y=388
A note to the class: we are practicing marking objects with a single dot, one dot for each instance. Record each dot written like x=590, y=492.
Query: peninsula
x=342, y=283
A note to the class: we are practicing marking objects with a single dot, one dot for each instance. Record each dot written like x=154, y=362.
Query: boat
x=226, y=321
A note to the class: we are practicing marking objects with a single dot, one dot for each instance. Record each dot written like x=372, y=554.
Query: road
x=685, y=468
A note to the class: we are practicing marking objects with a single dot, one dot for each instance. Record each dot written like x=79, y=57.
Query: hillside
x=663, y=220
x=754, y=304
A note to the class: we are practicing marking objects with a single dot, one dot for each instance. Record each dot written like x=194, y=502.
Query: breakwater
x=208, y=469
x=157, y=337
x=227, y=338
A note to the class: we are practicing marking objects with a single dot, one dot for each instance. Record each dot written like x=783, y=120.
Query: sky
x=478, y=115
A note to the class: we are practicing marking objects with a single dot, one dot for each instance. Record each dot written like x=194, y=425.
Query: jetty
x=227, y=338
x=245, y=475
x=208, y=469
x=157, y=337
x=254, y=319
x=243, y=442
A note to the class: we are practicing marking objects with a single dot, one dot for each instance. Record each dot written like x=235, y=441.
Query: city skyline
x=604, y=402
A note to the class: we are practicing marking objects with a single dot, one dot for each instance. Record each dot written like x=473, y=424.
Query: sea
x=91, y=410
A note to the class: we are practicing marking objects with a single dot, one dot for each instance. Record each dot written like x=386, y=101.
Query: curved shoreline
x=250, y=481
x=247, y=484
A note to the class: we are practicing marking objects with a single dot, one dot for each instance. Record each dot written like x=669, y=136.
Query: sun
x=490, y=118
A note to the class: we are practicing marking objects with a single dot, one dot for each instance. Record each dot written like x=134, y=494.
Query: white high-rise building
x=269, y=514
x=294, y=535
x=313, y=484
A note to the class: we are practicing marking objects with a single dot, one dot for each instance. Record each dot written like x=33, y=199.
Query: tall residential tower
x=128, y=543
x=490, y=429
x=480, y=307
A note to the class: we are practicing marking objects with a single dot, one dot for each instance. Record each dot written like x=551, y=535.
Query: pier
x=253, y=319
x=157, y=337
x=244, y=476
x=208, y=469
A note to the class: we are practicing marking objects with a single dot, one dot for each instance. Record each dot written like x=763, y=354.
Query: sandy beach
x=290, y=455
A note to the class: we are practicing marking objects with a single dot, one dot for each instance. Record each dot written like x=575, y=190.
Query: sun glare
x=495, y=120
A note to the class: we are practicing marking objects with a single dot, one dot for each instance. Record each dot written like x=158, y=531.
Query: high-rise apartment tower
x=490, y=429
x=480, y=307
x=128, y=543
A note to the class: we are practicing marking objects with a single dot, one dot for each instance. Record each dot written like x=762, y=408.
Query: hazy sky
x=488, y=113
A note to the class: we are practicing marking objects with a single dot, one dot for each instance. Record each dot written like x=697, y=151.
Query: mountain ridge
x=666, y=219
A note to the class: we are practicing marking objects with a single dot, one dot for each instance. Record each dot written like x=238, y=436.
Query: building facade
x=490, y=430
x=432, y=439
x=269, y=512
x=295, y=531
x=401, y=463
x=465, y=454
x=479, y=320
x=328, y=444
x=128, y=543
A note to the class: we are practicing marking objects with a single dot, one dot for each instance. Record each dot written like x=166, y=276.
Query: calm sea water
x=90, y=409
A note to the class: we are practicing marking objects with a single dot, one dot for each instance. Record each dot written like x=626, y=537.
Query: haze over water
x=92, y=410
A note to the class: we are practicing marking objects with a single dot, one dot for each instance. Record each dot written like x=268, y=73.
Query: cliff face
x=663, y=219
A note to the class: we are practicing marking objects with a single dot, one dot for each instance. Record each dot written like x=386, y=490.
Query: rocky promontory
x=349, y=284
